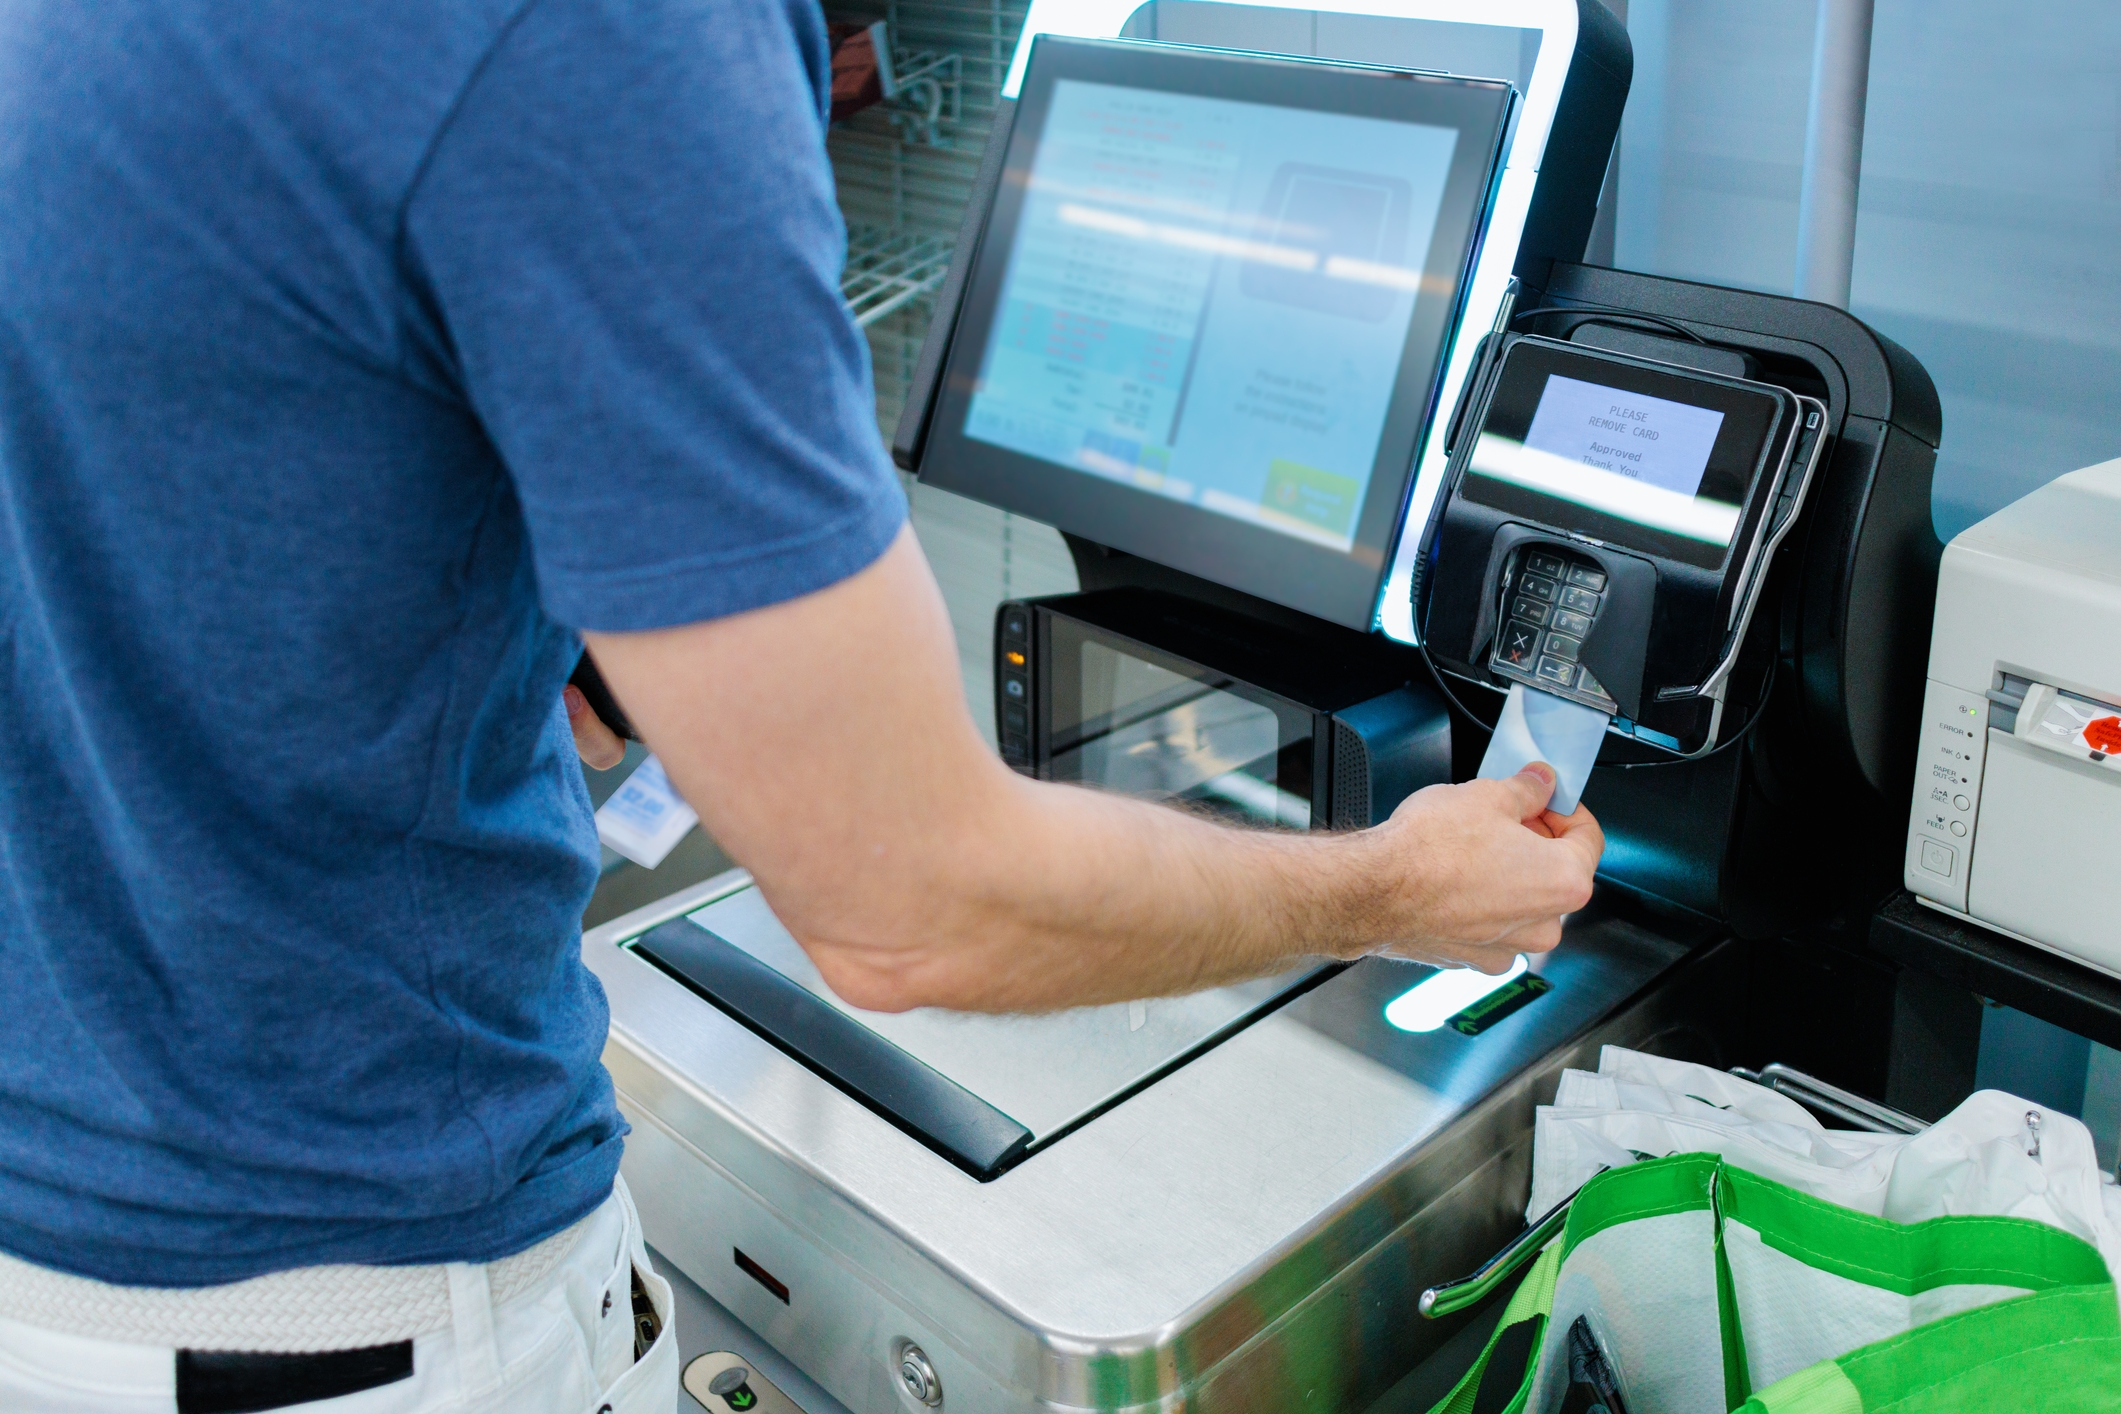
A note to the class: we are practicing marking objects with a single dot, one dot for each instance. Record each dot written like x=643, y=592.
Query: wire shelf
x=889, y=269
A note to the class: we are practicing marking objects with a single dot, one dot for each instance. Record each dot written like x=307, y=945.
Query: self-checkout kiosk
x=1277, y=320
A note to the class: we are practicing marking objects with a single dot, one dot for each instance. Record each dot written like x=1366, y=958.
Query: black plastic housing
x=1663, y=629
x=931, y=1107
x=1803, y=816
x=1376, y=731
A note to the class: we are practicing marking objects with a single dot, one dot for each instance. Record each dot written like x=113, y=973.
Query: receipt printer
x=2017, y=803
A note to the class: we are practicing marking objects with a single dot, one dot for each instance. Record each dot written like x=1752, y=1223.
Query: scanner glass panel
x=1046, y=1072
x=1210, y=307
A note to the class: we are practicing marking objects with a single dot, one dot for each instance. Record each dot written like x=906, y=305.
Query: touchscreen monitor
x=1210, y=306
x=1662, y=462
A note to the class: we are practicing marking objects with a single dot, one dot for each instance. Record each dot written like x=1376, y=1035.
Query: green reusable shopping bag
x=1711, y=1289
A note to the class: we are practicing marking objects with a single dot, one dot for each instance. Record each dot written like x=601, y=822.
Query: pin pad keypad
x=1550, y=601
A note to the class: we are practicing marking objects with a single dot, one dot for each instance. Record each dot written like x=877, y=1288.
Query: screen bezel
x=1338, y=586
x=1755, y=423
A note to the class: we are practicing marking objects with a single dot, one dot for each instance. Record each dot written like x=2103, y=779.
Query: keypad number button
x=1552, y=566
x=1584, y=577
x=1528, y=609
x=1574, y=624
x=1564, y=647
x=1583, y=601
x=1534, y=587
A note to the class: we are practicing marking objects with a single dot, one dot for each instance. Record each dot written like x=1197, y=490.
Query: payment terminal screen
x=1640, y=454
x=1208, y=300
x=1626, y=453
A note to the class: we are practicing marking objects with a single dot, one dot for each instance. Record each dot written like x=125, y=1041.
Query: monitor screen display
x=1662, y=461
x=1195, y=306
x=1209, y=310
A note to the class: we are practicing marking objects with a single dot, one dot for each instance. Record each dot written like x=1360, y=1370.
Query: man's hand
x=827, y=745
x=1454, y=844
x=598, y=745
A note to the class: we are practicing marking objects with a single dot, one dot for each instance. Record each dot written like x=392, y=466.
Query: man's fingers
x=1560, y=870
x=1530, y=790
x=1580, y=832
x=598, y=745
x=1515, y=868
x=1535, y=937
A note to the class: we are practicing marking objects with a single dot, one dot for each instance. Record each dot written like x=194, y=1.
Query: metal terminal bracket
x=1832, y=1099
x=1440, y=1301
x=1795, y=479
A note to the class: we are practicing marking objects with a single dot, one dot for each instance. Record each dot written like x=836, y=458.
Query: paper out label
x=645, y=818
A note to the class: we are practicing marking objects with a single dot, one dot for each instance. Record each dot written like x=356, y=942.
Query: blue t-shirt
x=352, y=357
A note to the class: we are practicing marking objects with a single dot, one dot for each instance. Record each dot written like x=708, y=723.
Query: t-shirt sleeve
x=626, y=250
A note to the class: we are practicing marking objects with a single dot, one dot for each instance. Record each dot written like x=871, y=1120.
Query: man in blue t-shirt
x=357, y=362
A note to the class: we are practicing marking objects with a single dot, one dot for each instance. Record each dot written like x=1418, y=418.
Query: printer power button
x=1938, y=858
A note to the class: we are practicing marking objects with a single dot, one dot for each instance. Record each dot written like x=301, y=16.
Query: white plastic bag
x=1974, y=1161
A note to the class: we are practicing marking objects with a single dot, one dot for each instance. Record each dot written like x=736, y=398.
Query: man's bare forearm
x=827, y=745
x=1052, y=896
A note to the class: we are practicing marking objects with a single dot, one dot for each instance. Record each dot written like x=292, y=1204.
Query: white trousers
x=561, y=1344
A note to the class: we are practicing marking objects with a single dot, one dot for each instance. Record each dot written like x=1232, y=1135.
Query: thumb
x=1530, y=789
x=598, y=745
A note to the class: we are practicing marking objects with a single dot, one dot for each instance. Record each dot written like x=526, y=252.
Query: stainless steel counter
x=706, y=1328
x=1248, y=1230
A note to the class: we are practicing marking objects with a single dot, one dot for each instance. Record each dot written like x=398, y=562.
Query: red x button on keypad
x=1520, y=643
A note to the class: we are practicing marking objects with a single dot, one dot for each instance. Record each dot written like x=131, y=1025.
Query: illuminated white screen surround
x=1556, y=23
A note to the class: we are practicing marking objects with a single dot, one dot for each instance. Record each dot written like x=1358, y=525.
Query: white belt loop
x=471, y=1314
x=633, y=1239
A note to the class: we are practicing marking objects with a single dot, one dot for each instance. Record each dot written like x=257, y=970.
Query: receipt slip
x=2074, y=726
x=645, y=819
x=1538, y=726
